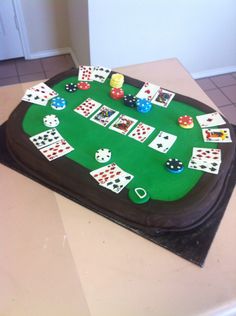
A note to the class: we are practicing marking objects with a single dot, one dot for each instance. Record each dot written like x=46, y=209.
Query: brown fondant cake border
x=184, y=214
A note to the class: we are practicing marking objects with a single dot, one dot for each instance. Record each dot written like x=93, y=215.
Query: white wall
x=46, y=25
x=200, y=33
x=79, y=30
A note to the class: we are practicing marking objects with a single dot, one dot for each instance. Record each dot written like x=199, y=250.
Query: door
x=10, y=41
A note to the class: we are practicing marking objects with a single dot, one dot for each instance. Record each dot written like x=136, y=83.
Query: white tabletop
x=59, y=258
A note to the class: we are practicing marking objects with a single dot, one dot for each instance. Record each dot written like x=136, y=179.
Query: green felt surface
x=146, y=164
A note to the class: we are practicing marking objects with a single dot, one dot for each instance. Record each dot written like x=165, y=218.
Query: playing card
x=85, y=73
x=32, y=97
x=112, y=177
x=163, y=142
x=119, y=182
x=100, y=74
x=123, y=124
x=163, y=98
x=141, y=132
x=46, y=138
x=206, y=166
x=56, y=150
x=44, y=91
x=216, y=135
x=106, y=173
x=104, y=115
x=88, y=107
x=211, y=119
x=147, y=91
x=206, y=154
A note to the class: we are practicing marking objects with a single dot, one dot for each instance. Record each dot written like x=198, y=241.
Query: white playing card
x=123, y=124
x=32, y=97
x=141, y=132
x=206, y=154
x=88, y=107
x=106, y=173
x=56, y=150
x=210, y=120
x=104, y=116
x=216, y=135
x=112, y=177
x=163, y=142
x=206, y=166
x=46, y=138
x=163, y=98
x=44, y=91
x=118, y=183
x=85, y=73
x=100, y=74
x=147, y=91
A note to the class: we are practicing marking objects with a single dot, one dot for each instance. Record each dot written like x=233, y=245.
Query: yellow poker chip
x=187, y=126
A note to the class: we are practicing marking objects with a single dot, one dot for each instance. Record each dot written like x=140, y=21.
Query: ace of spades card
x=210, y=120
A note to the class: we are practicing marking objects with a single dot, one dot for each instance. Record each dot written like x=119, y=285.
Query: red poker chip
x=117, y=93
x=83, y=85
x=185, y=120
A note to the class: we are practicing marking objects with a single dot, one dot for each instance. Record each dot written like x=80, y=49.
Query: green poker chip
x=138, y=195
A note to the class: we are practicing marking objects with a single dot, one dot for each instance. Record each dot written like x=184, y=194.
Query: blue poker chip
x=174, y=165
x=143, y=105
x=58, y=103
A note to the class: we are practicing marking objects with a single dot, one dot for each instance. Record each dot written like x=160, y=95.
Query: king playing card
x=123, y=124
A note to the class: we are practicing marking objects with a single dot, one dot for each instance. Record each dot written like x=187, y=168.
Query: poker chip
x=117, y=80
x=143, y=105
x=174, y=165
x=185, y=121
x=117, y=93
x=83, y=85
x=71, y=87
x=58, y=103
x=51, y=120
x=103, y=155
x=138, y=195
x=130, y=100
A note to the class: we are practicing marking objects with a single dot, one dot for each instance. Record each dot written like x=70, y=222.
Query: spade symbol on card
x=128, y=177
x=166, y=137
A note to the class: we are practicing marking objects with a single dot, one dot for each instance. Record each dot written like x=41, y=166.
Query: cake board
x=192, y=245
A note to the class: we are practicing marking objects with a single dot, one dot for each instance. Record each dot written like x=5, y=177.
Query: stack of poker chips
x=130, y=100
x=185, y=121
x=143, y=105
x=117, y=81
x=58, y=103
x=117, y=93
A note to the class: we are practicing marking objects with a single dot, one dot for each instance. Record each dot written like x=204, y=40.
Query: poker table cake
x=105, y=156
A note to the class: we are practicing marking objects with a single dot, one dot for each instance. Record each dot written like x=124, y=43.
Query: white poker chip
x=103, y=155
x=51, y=120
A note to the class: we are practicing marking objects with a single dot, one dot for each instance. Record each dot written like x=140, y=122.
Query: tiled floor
x=221, y=89
x=20, y=70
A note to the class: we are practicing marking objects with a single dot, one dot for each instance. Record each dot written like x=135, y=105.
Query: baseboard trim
x=49, y=53
x=55, y=52
x=213, y=72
